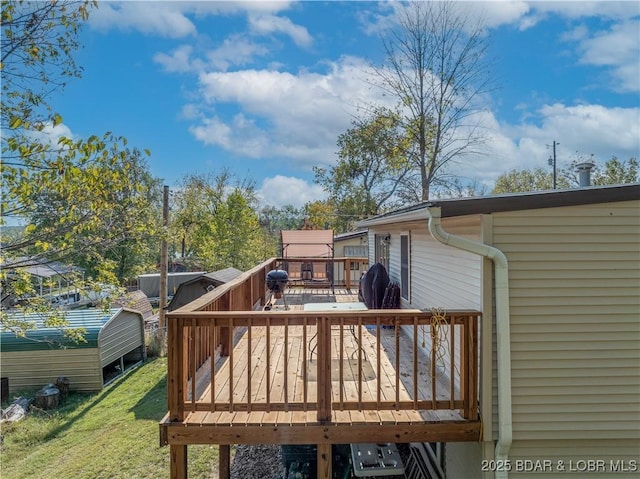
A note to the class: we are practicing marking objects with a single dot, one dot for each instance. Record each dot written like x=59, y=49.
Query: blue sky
x=265, y=88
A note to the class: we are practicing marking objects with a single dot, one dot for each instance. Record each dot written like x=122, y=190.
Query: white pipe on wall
x=505, y=429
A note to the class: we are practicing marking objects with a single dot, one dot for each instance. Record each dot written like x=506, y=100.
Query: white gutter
x=505, y=430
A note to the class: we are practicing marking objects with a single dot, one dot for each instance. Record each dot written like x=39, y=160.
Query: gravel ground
x=266, y=462
x=257, y=462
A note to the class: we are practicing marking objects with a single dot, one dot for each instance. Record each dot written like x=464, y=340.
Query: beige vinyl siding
x=34, y=369
x=575, y=323
x=614, y=454
x=121, y=335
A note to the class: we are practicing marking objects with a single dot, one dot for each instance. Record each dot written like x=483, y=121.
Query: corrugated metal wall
x=122, y=334
x=34, y=369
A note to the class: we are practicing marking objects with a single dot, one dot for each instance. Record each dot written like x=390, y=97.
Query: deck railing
x=317, y=362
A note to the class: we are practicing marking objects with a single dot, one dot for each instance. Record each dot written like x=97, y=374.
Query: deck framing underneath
x=191, y=432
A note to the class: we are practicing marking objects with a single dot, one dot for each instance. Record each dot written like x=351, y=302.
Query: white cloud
x=265, y=24
x=489, y=14
x=241, y=136
x=170, y=18
x=159, y=18
x=541, y=10
x=235, y=51
x=281, y=190
x=179, y=60
x=619, y=48
x=50, y=134
x=581, y=130
x=297, y=117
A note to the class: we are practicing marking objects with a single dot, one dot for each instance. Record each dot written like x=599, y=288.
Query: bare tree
x=436, y=66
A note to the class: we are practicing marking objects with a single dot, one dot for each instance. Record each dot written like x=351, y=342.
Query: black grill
x=277, y=280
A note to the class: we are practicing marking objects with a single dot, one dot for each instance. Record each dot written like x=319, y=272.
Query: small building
x=196, y=287
x=354, y=244
x=150, y=283
x=113, y=342
x=52, y=281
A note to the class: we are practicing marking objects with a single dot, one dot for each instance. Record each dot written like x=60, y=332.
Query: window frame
x=405, y=265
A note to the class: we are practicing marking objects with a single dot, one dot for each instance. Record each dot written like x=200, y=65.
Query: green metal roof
x=40, y=338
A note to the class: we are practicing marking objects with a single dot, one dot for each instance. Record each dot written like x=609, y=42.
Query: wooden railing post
x=347, y=274
x=472, y=370
x=223, y=336
x=175, y=369
x=469, y=370
x=324, y=369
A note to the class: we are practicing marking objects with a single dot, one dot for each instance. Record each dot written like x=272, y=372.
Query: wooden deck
x=318, y=374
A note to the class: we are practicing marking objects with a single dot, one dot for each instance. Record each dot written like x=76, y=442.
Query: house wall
x=441, y=277
x=338, y=268
x=574, y=281
x=120, y=335
x=34, y=369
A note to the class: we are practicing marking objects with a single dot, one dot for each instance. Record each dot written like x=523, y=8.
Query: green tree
x=80, y=200
x=215, y=223
x=38, y=42
x=613, y=172
x=320, y=215
x=369, y=171
x=275, y=220
x=436, y=67
x=192, y=206
x=238, y=237
x=526, y=180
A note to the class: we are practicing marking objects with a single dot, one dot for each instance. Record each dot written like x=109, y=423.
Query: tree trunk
x=63, y=383
x=47, y=398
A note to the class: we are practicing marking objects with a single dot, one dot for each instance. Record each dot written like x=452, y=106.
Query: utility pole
x=552, y=162
x=163, y=270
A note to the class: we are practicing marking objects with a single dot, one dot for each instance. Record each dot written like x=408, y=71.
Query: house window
x=382, y=249
x=404, y=266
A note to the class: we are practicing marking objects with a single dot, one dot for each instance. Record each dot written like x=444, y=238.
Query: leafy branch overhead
x=89, y=201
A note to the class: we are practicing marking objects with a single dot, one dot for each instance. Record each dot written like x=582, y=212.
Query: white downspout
x=505, y=430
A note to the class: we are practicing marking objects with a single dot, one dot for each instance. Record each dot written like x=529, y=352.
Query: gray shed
x=150, y=283
x=114, y=341
x=196, y=287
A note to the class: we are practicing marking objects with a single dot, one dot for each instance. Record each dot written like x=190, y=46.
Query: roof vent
x=584, y=173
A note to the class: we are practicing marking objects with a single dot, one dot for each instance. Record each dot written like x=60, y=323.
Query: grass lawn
x=111, y=434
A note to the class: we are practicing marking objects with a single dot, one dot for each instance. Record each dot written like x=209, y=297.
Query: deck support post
x=324, y=461
x=178, y=459
x=224, y=461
